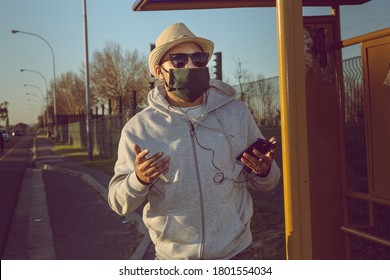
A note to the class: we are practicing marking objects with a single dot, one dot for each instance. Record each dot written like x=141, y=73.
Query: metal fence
x=262, y=96
x=262, y=99
x=355, y=125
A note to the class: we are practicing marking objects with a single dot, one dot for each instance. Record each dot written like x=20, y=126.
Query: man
x=179, y=154
x=1, y=143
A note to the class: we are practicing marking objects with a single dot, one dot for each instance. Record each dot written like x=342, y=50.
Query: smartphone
x=260, y=144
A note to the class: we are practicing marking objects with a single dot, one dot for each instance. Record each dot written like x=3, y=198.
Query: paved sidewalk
x=65, y=173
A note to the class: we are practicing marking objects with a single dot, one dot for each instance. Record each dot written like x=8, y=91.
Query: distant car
x=17, y=132
x=5, y=134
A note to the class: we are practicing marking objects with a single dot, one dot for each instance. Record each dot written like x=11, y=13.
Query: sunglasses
x=179, y=60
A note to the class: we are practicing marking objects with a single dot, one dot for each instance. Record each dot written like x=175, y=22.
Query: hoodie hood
x=218, y=95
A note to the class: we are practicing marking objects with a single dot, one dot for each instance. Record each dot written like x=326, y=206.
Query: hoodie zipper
x=201, y=247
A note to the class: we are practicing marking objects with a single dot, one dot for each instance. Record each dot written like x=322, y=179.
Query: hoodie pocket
x=224, y=229
x=182, y=226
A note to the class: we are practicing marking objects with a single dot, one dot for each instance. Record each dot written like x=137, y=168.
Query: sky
x=247, y=35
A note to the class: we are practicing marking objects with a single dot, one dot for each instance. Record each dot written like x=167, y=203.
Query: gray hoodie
x=200, y=208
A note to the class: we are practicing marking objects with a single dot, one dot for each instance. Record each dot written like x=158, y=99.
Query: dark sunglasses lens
x=179, y=60
x=200, y=59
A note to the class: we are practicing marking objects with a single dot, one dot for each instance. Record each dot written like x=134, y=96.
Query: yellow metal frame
x=304, y=175
x=294, y=130
x=355, y=230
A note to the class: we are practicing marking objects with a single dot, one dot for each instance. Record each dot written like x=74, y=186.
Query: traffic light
x=152, y=47
x=218, y=65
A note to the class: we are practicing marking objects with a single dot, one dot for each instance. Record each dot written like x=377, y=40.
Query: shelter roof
x=155, y=5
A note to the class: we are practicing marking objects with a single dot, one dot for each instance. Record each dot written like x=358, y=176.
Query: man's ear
x=159, y=73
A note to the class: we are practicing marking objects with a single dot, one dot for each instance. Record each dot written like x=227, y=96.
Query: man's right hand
x=148, y=169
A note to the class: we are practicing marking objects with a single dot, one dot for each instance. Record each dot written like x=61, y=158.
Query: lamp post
x=40, y=74
x=37, y=96
x=36, y=102
x=47, y=94
x=33, y=107
x=54, y=74
x=37, y=87
x=41, y=100
x=87, y=87
x=43, y=104
x=39, y=103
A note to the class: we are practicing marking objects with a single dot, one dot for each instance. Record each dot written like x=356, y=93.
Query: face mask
x=189, y=83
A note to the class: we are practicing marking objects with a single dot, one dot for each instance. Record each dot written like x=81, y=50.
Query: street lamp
x=37, y=87
x=87, y=87
x=37, y=96
x=40, y=74
x=33, y=110
x=54, y=73
x=45, y=116
x=36, y=101
x=47, y=93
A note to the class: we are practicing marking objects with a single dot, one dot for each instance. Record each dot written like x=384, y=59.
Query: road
x=13, y=163
x=47, y=213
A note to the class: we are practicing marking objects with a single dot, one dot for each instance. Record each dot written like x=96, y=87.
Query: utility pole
x=87, y=87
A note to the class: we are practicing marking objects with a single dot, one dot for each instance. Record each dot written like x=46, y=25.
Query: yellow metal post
x=294, y=129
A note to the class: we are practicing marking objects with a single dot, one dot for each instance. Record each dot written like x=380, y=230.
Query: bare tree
x=4, y=110
x=241, y=75
x=259, y=94
x=4, y=113
x=266, y=95
x=116, y=73
x=70, y=94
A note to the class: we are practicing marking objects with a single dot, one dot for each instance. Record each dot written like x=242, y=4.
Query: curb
x=133, y=218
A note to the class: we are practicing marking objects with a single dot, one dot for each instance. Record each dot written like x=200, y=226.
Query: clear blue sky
x=247, y=34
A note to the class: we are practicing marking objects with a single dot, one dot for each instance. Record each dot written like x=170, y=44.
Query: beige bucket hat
x=176, y=34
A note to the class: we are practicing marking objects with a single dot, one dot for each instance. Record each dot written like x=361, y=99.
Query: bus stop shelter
x=312, y=122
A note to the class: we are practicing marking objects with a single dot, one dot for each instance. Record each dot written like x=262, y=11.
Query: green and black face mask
x=189, y=83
